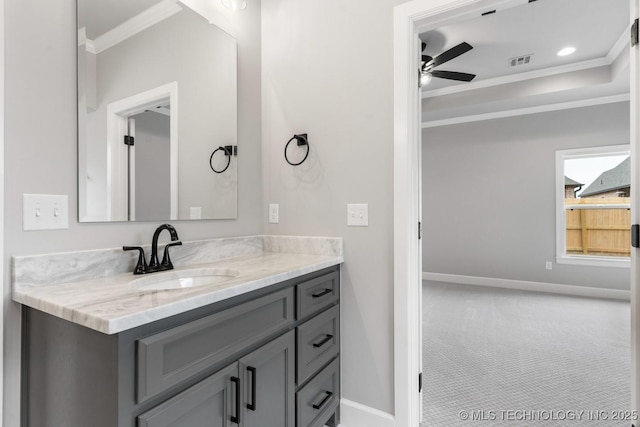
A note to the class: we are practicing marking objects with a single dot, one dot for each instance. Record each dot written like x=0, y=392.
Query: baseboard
x=353, y=414
x=524, y=285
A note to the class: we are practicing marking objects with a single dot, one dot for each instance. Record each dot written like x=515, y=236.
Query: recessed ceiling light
x=566, y=51
x=235, y=4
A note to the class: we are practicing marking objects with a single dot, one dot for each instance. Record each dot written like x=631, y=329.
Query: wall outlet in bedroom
x=274, y=213
x=549, y=265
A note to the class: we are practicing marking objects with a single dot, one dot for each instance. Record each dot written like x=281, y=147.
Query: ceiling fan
x=428, y=64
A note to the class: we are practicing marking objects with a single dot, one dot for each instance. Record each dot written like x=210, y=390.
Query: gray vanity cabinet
x=256, y=391
x=267, y=358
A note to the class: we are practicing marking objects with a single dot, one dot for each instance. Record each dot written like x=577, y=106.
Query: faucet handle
x=141, y=267
x=166, y=263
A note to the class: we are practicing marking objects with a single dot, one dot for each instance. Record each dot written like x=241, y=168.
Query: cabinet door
x=209, y=403
x=268, y=383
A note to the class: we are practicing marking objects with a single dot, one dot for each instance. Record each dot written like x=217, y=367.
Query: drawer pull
x=323, y=293
x=325, y=340
x=236, y=419
x=252, y=406
x=326, y=398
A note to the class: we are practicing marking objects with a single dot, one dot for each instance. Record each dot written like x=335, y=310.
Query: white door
x=150, y=167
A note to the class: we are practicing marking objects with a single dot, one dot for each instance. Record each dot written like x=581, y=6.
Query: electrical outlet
x=195, y=212
x=274, y=213
x=549, y=265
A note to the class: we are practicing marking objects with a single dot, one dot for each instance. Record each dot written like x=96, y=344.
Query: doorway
x=412, y=19
x=158, y=104
x=149, y=164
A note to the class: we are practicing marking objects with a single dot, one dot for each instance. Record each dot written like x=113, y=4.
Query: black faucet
x=166, y=264
x=154, y=265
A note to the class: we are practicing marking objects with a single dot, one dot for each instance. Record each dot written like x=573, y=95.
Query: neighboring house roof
x=568, y=182
x=613, y=179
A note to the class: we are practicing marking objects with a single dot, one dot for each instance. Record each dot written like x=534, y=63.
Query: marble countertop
x=109, y=304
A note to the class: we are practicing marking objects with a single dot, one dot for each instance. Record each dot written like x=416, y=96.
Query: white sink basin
x=182, y=279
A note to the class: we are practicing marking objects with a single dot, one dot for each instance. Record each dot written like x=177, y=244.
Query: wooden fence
x=603, y=232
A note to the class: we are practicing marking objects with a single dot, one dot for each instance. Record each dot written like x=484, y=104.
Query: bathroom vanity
x=258, y=348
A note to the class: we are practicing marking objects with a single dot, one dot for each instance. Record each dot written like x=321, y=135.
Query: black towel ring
x=227, y=152
x=301, y=140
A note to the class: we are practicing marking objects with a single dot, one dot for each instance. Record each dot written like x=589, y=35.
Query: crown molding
x=529, y=110
x=133, y=26
x=619, y=45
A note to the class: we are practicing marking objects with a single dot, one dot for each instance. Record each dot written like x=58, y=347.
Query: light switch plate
x=45, y=212
x=358, y=215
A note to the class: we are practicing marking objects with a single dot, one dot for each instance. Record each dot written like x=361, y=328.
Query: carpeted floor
x=499, y=357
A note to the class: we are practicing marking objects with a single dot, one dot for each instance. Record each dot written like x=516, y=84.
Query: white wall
x=40, y=150
x=328, y=71
x=489, y=194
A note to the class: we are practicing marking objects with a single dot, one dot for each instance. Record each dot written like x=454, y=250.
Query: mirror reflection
x=157, y=95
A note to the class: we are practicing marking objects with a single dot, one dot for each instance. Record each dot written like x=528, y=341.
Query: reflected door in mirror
x=131, y=59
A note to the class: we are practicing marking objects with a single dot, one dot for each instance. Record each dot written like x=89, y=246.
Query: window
x=593, y=214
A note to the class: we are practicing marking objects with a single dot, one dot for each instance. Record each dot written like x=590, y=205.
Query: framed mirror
x=157, y=113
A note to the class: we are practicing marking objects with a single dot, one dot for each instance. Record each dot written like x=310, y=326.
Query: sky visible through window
x=586, y=169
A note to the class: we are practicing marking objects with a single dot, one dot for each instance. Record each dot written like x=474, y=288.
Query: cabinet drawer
x=318, y=342
x=318, y=400
x=173, y=356
x=316, y=294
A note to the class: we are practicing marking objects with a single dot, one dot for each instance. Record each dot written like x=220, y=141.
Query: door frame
x=117, y=127
x=410, y=19
x=7, y=297
x=634, y=142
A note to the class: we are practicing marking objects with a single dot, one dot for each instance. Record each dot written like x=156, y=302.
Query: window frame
x=561, y=234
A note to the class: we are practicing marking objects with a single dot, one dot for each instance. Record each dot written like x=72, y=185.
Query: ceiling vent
x=520, y=60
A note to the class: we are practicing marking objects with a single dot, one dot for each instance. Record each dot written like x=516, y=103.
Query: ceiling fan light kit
x=429, y=63
x=425, y=78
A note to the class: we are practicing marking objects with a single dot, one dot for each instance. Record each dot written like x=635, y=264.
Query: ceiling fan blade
x=453, y=75
x=450, y=54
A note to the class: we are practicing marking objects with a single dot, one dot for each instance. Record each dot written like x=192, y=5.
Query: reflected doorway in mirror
x=121, y=157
